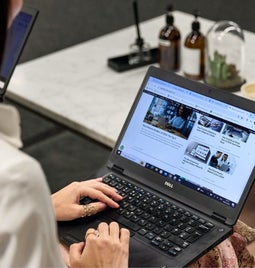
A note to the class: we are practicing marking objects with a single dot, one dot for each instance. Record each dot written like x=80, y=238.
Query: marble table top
x=75, y=87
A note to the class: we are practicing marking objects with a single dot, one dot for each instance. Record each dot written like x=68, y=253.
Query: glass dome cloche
x=225, y=56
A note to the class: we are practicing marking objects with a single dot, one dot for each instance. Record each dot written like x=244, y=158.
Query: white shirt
x=28, y=236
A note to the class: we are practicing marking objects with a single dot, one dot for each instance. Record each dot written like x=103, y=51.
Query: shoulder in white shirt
x=28, y=236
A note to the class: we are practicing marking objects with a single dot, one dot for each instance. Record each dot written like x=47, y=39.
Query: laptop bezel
x=200, y=202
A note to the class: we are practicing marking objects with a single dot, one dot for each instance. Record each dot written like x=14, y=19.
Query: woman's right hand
x=106, y=247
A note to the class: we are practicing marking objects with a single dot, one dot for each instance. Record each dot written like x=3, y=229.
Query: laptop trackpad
x=141, y=255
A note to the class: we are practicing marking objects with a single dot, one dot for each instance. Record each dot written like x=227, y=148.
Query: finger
x=95, y=183
x=114, y=230
x=76, y=250
x=91, y=234
x=124, y=235
x=106, y=198
x=103, y=229
x=111, y=191
x=91, y=209
x=99, y=195
x=108, y=190
x=99, y=185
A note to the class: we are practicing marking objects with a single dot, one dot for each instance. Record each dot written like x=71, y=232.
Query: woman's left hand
x=66, y=202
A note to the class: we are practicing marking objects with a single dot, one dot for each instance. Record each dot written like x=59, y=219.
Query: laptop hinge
x=219, y=217
x=118, y=169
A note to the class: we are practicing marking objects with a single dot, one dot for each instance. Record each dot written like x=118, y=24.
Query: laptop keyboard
x=157, y=221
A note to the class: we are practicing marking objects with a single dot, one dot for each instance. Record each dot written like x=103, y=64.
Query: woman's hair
x=4, y=13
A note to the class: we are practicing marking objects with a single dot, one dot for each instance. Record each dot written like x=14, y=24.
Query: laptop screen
x=16, y=39
x=192, y=139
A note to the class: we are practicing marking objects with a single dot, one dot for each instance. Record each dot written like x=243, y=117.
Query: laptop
x=17, y=36
x=176, y=206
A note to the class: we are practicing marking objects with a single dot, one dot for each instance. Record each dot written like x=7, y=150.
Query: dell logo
x=169, y=184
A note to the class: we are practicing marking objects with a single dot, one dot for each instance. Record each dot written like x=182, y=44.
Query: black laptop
x=17, y=36
x=179, y=202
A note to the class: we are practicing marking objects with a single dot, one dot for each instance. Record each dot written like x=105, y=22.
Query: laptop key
x=142, y=231
x=177, y=249
x=193, y=237
x=177, y=241
x=150, y=226
x=142, y=222
x=184, y=235
x=134, y=218
x=153, y=219
x=163, y=247
x=203, y=228
x=150, y=235
x=193, y=223
x=156, y=241
x=165, y=234
x=157, y=230
x=146, y=215
x=127, y=214
x=209, y=225
x=172, y=252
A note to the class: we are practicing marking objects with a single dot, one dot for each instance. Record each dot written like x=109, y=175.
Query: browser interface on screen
x=192, y=139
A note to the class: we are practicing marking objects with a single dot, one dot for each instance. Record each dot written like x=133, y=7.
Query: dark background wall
x=63, y=23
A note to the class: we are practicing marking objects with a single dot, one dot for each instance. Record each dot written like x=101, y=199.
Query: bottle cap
x=196, y=23
x=169, y=15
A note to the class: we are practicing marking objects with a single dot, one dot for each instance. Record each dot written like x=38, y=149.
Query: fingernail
x=103, y=206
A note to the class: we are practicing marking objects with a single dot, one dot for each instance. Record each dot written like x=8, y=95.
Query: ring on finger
x=94, y=232
x=88, y=210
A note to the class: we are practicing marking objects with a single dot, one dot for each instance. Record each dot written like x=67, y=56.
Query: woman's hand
x=66, y=202
x=106, y=247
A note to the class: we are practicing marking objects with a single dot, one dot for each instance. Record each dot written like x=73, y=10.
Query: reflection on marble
x=74, y=86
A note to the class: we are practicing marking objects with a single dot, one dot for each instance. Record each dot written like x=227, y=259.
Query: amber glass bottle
x=193, y=62
x=169, y=44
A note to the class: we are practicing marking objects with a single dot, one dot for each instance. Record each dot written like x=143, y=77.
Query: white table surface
x=75, y=86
